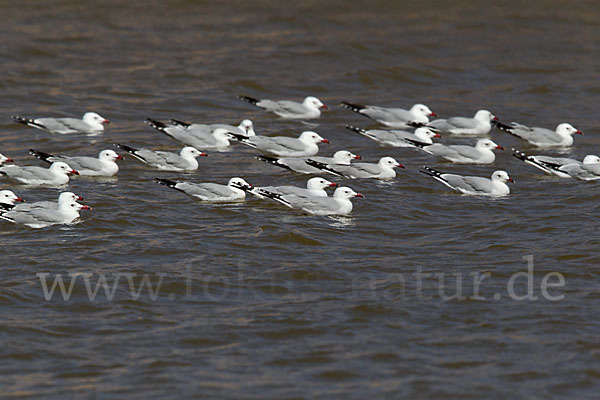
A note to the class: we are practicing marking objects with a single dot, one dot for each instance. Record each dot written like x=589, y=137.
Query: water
x=256, y=301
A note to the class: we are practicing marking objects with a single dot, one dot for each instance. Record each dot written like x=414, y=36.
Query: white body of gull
x=315, y=187
x=66, y=213
x=167, y=161
x=542, y=137
x=338, y=204
x=473, y=185
x=303, y=146
x=235, y=190
x=394, y=117
x=310, y=108
x=397, y=138
x=384, y=169
x=298, y=164
x=90, y=123
x=56, y=175
x=481, y=153
x=104, y=165
x=480, y=124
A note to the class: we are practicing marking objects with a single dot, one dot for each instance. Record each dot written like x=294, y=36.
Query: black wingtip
x=237, y=136
x=503, y=127
x=519, y=154
x=126, y=148
x=248, y=99
x=166, y=182
x=273, y=196
x=323, y=167
x=355, y=129
x=417, y=125
x=155, y=124
x=352, y=106
x=430, y=172
x=416, y=143
x=182, y=123
x=40, y=154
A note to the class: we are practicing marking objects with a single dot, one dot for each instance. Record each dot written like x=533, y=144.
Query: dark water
x=259, y=302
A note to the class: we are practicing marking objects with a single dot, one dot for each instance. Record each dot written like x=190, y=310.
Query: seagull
x=4, y=159
x=283, y=146
x=542, y=137
x=338, y=204
x=298, y=164
x=394, y=117
x=384, y=169
x=8, y=198
x=63, y=197
x=235, y=190
x=90, y=123
x=480, y=124
x=216, y=139
x=397, y=138
x=587, y=170
x=104, y=165
x=56, y=175
x=66, y=213
x=167, y=161
x=473, y=185
x=315, y=187
x=480, y=154
x=246, y=127
x=310, y=108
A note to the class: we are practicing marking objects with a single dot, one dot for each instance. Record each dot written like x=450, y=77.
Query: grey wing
x=555, y=161
x=36, y=216
x=198, y=138
x=582, y=171
x=228, y=128
x=84, y=163
x=54, y=125
x=27, y=173
x=538, y=135
x=39, y=204
x=300, y=165
x=76, y=125
x=277, y=143
x=314, y=205
x=269, y=105
x=207, y=191
x=200, y=129
x=166, y=159
x=288, y=190
x=290, y=107
x=387, y=114
x=472, y=184
x=441, y=124
x=462, y=123
x=357, y=170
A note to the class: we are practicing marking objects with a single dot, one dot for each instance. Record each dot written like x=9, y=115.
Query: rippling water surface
x=251, y=300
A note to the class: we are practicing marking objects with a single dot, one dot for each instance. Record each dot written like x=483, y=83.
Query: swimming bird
x=479, y=125
x=303, y=146
x=104, y=165
x=473, y=185
x=216, y=139
x=397, y=138
x=542, y=137
x=246, y=127
x=90, y=123
x=165, y=160
x=384, y=169
x=298, y=164
x=310, y=108
x=338, y=204
x=314, y=187
x=235, y=190
x=482, y=153
x=393, y=117
x=51, y=205
x=57, y=174
x=66, y=213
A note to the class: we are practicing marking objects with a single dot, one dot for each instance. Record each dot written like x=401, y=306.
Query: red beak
x=333, y=184
x=79, y=198
x=119, y=157
x=359, y=195
x=325, y=141
x=357, y=157
x=20, y=199
x=500, y=147
x=203, y=154
x=433, y=114
x=324, y=107
x=84, y=207
x=399, y=165
x=577, y=132
x=73, y=172
x=437, y=135
x=495, y=118
x=9, y=160
x=510, y=180
x=106, y=121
